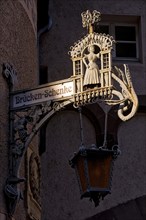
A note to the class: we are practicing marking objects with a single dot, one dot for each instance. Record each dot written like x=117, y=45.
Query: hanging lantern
x=94, y=168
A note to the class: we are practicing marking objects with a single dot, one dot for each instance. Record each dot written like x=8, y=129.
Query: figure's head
x=91, y=48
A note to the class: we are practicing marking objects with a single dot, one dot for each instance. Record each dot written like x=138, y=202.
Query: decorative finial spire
x=88, y=19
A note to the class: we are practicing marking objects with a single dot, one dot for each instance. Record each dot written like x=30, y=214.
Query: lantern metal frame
x=90, y=165
x=94, y=165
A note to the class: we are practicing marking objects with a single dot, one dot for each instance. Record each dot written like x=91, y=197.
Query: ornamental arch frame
x=105, y=44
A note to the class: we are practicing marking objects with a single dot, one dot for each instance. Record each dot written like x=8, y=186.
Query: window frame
x=128, y=42
x=132, y=21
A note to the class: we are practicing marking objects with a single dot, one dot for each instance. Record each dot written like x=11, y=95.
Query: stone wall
x=18, y=47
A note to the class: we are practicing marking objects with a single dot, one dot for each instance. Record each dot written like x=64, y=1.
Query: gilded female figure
x=92, y=73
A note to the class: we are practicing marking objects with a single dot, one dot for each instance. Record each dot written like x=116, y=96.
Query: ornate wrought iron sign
x=99, y=80
x=94, y=79
x=42, y=94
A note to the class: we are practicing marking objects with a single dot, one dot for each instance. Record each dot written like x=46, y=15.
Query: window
x=126, y=45
x=78, y=67
x=125, y=30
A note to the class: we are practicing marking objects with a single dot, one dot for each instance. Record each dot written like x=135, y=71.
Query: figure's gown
x=92, y=70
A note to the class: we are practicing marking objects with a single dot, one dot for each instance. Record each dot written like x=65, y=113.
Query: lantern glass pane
x=81, y=173
x=99, y=171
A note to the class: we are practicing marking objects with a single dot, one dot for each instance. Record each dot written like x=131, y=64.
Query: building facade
x=34, y=44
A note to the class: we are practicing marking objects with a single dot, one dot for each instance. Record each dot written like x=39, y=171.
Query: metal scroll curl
x=128, y=99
